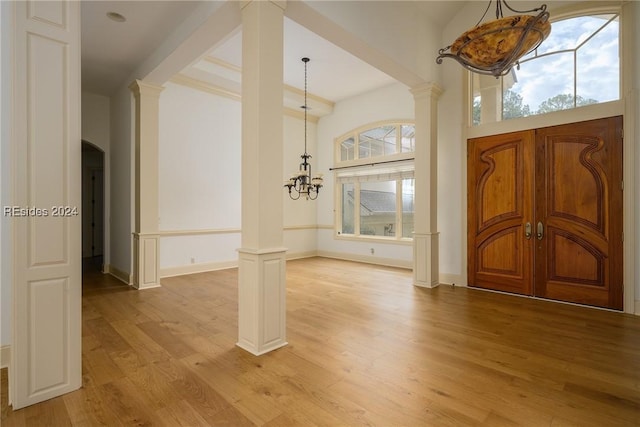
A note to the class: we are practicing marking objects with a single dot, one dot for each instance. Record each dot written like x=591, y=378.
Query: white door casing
x=47, y=226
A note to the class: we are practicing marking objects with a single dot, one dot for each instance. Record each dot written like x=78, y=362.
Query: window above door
x=577, y=65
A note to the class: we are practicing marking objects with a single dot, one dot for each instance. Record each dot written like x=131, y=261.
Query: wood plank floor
x=365, y=348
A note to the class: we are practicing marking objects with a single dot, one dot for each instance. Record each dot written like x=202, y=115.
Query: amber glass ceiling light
x=494, y=47
x=301, y=183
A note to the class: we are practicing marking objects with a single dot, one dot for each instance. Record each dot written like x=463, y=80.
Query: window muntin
x=378, y=141
x=374, y=182
x=577, y=65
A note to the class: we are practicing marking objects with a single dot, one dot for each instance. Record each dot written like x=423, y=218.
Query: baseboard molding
x=201, y=267
x=118, y=274
x=5, y=356
x=389, y=262
x=452, y=279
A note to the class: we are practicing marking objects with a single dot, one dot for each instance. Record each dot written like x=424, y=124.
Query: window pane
x=408, y=138
x=377, y=142
x=408, y=200
x=546, y=84
x=598, y=67
x=378, y=208
x=347, y=149
x=347, y=209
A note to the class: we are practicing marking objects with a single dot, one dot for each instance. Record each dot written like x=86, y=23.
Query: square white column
x=261, y=313
x=262, y=262
x=146, y=242
x=425, y=236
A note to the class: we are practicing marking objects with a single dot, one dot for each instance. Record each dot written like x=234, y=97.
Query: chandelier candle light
x=301, y=183
x=495, y=47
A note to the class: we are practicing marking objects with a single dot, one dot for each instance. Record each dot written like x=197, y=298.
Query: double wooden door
x=545, y=212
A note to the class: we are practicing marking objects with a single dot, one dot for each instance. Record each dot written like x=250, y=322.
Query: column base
x=146, y=261
x=261, y=300
x=425, y=260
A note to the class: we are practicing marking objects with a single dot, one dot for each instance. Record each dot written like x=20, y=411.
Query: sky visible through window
x=592, y=41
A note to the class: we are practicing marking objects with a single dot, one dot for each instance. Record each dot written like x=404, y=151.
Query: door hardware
x=527, y=230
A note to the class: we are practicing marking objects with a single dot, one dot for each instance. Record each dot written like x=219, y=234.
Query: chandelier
x=301, y=183
x=495, y=47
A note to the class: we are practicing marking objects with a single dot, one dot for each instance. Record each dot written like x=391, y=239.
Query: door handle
x=527, y=230
x=540, y=234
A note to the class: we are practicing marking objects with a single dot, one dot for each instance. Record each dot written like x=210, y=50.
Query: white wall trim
x=187, y=81
x=389, y=262
x=200, y=267
x=117, y=273
x=452, y=279
x=5, y=356
x=204, y=231
x=211, y=231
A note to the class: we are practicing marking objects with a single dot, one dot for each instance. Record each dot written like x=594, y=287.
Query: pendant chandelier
x=301, y=183
x=495, y=47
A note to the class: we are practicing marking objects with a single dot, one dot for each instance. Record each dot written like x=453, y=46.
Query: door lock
x=540, y=233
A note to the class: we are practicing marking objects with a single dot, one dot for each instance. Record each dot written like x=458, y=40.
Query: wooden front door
x=545, y=212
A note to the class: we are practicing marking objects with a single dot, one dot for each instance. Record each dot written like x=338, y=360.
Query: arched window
x=374, y=181
x=578, y=64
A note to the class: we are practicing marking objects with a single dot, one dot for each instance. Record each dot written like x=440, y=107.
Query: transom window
x=374, y=181
x=379, y=141
x=577, y=65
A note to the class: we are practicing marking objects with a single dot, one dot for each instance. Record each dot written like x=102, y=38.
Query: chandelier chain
x=305, y=106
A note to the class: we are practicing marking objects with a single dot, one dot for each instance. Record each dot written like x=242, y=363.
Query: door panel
x=566, y=182
x=46, y=340
x=500, y=183
x=579, y=201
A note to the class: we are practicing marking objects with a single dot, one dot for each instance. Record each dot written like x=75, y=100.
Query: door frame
x=628, y=108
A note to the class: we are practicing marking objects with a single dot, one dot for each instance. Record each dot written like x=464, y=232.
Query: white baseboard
x=197, y=268
x=389, y=262
x=203, y=267
x=118, y=274
x=452, y=279
x=5, y=356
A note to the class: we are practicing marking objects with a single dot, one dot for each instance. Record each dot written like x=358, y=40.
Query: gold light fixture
x=495, y=47
x=301, y=183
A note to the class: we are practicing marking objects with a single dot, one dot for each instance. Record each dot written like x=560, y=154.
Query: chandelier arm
x=542, y=8
x=484, y=14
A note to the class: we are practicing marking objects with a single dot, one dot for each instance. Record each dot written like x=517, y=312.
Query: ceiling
x=111, y=51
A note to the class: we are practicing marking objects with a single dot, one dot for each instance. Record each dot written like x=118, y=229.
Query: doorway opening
x=92, y=209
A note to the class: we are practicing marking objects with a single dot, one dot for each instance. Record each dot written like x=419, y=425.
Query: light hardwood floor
x=365, y=348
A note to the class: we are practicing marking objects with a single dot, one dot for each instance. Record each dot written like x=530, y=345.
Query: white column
x=425, y=235
x=262, y=287
x=146, y=241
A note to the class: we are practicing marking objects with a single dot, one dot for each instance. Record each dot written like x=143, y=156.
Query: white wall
x=393, y=102
x=200, y=182
x=121, y=159
x=199, y=176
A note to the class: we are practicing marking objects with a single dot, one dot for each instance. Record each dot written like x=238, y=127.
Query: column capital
x=429, y=89
x=139, y=87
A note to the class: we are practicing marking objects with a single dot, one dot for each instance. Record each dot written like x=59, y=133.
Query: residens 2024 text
x=32, y=211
